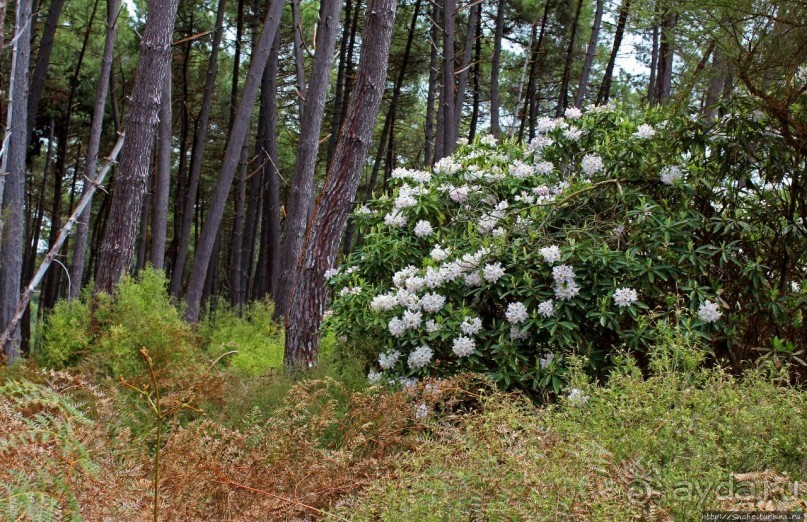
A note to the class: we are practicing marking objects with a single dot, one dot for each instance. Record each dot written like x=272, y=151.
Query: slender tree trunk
x=142, y=234
x=465, y=67
x=447, y=141
x=522, y=115
x=300, y=194
x=238, y=133
x=159, y=222
x=97, y=126
x=563, y=101
x=43, y=62
x=591, y=52
x=13, y=168
x=331, y=211
x=200, y=140
x=717, y=84
x=299, y=50
x=654, y=50
x=495, y=66
x=117, y=246
x=477, y=85
x=665, y=59
x=237, y=240
x=604, y=93
x=341, y=80
x=431, y=140
x=532, y=93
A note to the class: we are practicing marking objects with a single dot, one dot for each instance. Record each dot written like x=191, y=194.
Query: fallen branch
x=89, y=190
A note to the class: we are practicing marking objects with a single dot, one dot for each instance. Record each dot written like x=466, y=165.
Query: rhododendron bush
x=507, y=258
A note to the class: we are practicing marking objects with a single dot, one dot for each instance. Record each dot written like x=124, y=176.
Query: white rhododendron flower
x=433, y=326
x=547, y=308
x=551, y=255
x=563, y=274
x=545, y=361
x=566, y=290
x=438, y=254
x=493, y=272
x=471, y=325
x=432, y=303
x=459, y=194
x=573, y=133
x=489, y=140
x=422, y=411
x=577, y=397
x=374, y=377
x=383, y=302
x=520, y=170
x=795, y=287
x=625, y=297
x=407, y=299
x=423, y=228
x=573, y=113
x=396, y=327
x=463, y=346
x=591, y=164
x=411, y=320
x=671, y=175
x=709, y=312
x=516, y=313
x=472, y=279
x=539, y=143
x=517, y=335
x=395, y=219
x=544, y=167
x=644, y=132
x=420, y=357
x=388, y=360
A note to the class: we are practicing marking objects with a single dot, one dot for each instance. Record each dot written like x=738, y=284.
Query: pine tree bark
x=159, y=221
x=232, y=156
x=477, y=83
x=604, y=93
x=532, y=89
x=563, y=101
x=301, y=190
x=97, y=126
x=117, y=247
x=495, y=66
x=591, y=52
x=200, y=140
x=665, y=58
x=654, y=50
x=13, y=172
x=465, y=66
x=43, y=62
x=333, y=204
x=446, y=140
x=431, y=144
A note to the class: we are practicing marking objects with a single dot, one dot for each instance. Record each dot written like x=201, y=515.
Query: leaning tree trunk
x=563, y=100
x=200, y=140
x=43, y=62
x=97, y=126
x=591, y=52
x=495, y=66
x=13, y=194
x=605, y=87
x=333, y=204
x=232, y=157
x=300, y=194
x=159, y=221
x=117, y=246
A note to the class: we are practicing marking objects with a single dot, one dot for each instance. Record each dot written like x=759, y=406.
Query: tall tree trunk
x=237, y=239
x=522, y=115
x=13, y=192
x=654, y=50
x=591, y=52
x=431, y=138
x=341, y=80
x=532, y=91
x=96, y=128
x=665, y=58
x=43, y=62
x=495, y=66
x=604, y=93
x=477, y=83
x=159, y=222
x=333, y=204
x=200, y=140
x=299, y=51
x=563, y=100
x=465, y=66
x=270, y=227
x=117, y=247
x=300, y=194
x=232, y=156
x=446, y=140
x=717, y=84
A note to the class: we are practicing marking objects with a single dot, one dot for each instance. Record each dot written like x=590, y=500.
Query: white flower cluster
x=432, y=303
x=516, y=313
x=671, y=175
x=644, y=131
x=577, y=397
x=493, y=272
x=471, y=325
x=447, y=166
x=709, y=312
x=573, y=113
x=420, y=357
x=459, y=194
x=438, y=253
x=545, y=361
x=418, y=176
x=489, y=221
x=565, y=286
x=521, y=170
x=573, y=133
x=591, y=164
x=423, y=228
x=331, y=273
x=463, y=346
x=551, y=254
x=547, y=308
x=388, y=360
x=625, y=297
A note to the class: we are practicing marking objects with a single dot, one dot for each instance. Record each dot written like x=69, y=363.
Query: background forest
x=252, y=248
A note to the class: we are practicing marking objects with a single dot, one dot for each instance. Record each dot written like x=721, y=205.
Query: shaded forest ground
x=241, y=440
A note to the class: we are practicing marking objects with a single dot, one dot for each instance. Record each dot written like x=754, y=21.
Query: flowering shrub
x=506, y=259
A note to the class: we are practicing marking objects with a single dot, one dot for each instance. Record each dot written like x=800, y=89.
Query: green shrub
x=65, y=335
x=254, y=335
x=506, y=259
